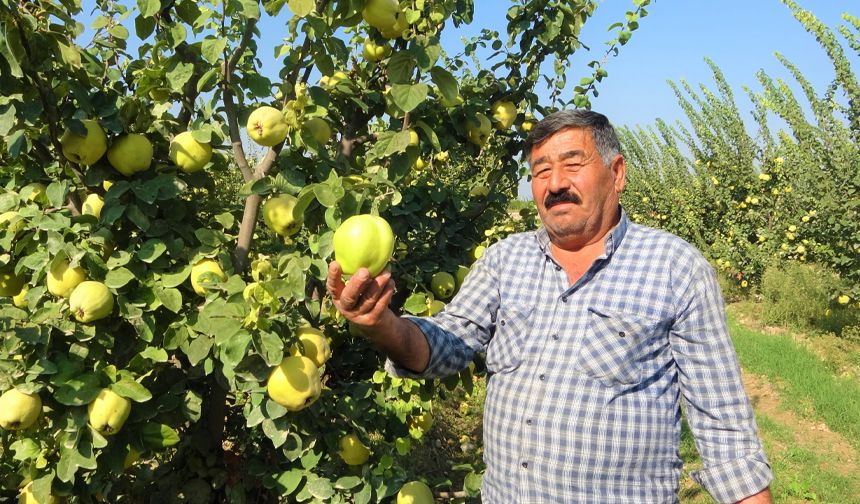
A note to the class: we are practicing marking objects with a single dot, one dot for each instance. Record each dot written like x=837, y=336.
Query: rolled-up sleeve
x=463, y=327
x=716, y=404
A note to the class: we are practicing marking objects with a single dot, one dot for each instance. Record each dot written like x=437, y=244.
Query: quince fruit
x=478, y=130
x=10, y=283
x=278, y=215
x=91, y=301
x=131, y=154
x=189, y=154
x=363, y=241
x=460, y=275
x=375, y=52
x=267, y=126
x=35, y=192
x=330, y=81
x=382, y=14
x=420, y=164
x=26, y=496
x=93, y=205
x=19, y=410
x=11, y=221
x=295, y=383
x=844, y=299
x=415, y=492
x=396, y=31
x=424, y=421
x=504, y=114
x=480, y=191
x=85, y=150
x=204, y=272
x=313, y=344
x=62, y=279
x=352, y=450
x=20, y=299
x=318, y=129
x=108, y=412
x=442, y=284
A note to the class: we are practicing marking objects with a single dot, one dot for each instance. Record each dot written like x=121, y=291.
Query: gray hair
x=602, y=131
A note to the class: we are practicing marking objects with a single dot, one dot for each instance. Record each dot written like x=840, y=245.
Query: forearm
x=401, y=341
x=762, y=497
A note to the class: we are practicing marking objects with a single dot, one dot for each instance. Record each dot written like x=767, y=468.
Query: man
x=595, y=330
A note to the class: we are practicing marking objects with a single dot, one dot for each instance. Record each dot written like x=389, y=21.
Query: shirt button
x=503, y=322
x=558, y=268
x=529, y=421
x=555, y=337
x=564, y=299
x=542, y=377
x=525, y=465
x=622, y=334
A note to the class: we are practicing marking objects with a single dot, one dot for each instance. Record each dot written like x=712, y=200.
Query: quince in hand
x=363, y=241
x=295, y=383
x=19, y=410
x=91, y=301
x=189, y=154
x=267, y=126
x=278, y=215
x=131, y=154
x=108, y=412
x=85, y=150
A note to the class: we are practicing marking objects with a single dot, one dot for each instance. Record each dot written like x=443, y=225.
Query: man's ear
x=619, y=172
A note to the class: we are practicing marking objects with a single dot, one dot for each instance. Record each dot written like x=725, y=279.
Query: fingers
x=361, y=294
x=334, y=283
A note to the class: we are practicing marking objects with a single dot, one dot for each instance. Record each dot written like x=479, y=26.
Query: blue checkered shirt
x=585, y=381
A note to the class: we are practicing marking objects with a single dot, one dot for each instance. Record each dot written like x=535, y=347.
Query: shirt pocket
x=616, y=347
x=505, y=350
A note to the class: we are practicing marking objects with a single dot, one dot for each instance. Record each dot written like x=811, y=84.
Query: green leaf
x=118, y=278
x=364, y=495
x=70, y=55
x=260, y=186
x=212, y=49
x=233, y=350
x=25, y=449
x=148, y=8
x=176, y=279
x=79, y=390
x=170, y=298
x=401, y=67
x=426, y=56
x=209, y=79
x=131, y=390
x=276, y=430
x=154, y=354
x=472, y=484
x=416, y=303
x=321, y=489
x=151, y=250
x=446, y=82
x=409, y=96
x=226, y=220
x=347, y=482
x=156, y=436
x=288, y=481
x=301, y=8
x=73, y=458
x=143, y=27
x=119, y=31
x=57, y=192
x=250, y=9
x=179, y=75
x=325, y=195
x=198, y=349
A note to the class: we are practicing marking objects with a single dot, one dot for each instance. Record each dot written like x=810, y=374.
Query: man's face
x=575, y=193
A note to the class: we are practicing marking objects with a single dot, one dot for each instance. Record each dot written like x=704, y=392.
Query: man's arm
x=363, y=300
x=762, y=497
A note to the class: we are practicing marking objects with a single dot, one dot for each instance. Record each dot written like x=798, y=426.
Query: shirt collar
x=613, y=238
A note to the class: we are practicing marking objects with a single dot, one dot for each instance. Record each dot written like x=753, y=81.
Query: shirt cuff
x=431, y=332
x=735, y=480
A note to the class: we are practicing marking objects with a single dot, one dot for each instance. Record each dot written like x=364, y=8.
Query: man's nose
x=558, y=180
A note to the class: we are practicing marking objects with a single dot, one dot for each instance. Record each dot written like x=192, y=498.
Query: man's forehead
x=574, y=141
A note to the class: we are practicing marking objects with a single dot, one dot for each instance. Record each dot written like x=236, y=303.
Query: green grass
x=806, y=384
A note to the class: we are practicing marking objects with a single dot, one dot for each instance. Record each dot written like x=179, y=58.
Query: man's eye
x=542, y=173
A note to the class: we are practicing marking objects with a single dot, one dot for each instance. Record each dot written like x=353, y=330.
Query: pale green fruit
x=415, y=492
x=20, y=299
x=352, y=450
x=26, y=496
x=363, y=241
x=480, y=191
x=479, y=133
x=313, y=344
x=189, y=154
x=93, y=205
x=295, y=383
x=443, y=284
x=208, y=267
x=267, y=126
x=278, y=215
x=504, y=114
x=10, y=283
x=424, y=421
x=460, y=275
x=91, y=301
x=131, y=154
x=62, y=279
x=330, y=81
x=108, y=412
x=11, y=221
x=19, y=410
x=396, y=30
x=381, y=14
x=85, y=150
x=318, y=129
x=373, y=52
x=413, y=137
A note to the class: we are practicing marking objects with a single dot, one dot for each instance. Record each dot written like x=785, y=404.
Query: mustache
x=563, y=197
